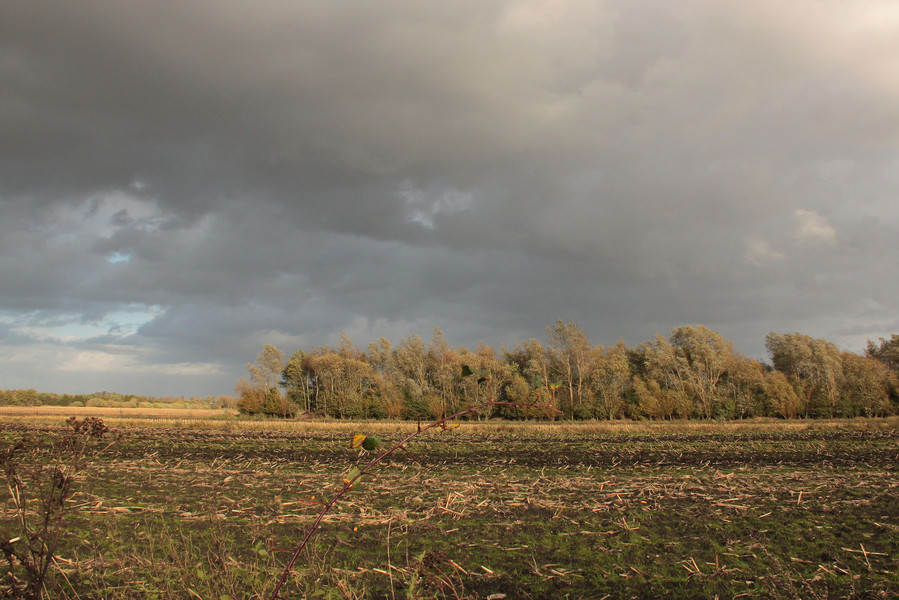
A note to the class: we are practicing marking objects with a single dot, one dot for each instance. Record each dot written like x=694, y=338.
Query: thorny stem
x=349, y=483
x=41, y=537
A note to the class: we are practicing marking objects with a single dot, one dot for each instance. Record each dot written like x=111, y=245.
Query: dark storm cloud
x=182, y=183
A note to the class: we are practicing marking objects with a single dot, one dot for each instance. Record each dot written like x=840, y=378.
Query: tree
x=865, y=386
x=410, y=363
x=663, y=379
x=744, y=384
x=28, y=397
x=656, y=402
x=442, y=367
x=611, y=380
x=887, y=352
x=324, y=371
x=497, y=374
x=569, y=355
x=782, y=395
x=260, y=393
x=382, y=359
x=702, y=357
x=251, y=399
x=530, y=366
x=355, y=388
x=266, y=371
x=813, y=365
x=295, y=379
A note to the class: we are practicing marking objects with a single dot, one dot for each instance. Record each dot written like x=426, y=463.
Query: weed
x=39, y=493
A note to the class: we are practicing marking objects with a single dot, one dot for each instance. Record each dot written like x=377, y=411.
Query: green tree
x=27, y=397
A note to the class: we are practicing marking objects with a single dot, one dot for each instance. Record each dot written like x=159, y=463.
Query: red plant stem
x=349, y=484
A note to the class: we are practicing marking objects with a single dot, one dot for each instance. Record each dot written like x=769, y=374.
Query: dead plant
x=39, y=492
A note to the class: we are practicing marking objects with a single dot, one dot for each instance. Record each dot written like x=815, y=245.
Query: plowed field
x=521, y=513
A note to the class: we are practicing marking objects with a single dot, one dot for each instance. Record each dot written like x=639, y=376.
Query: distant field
x=64, y=412
x=231, y=419
x=99, y=411
x=760, y=509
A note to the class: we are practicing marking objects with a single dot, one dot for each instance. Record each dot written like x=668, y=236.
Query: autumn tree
x=865, y=386
x=656, y=402
x=532, y=365
x=887, y=352
x=694, y=372
x=260, y=393
x=295, y=379
x=442, y=367
x=569, y=352
x=664, y=389
x=782, y=395
x=610, y=379
x=743, y=386
x=530, y=381
x=497, y=376
x=388, y=378
x=701, y=358
x=814, y=366
x=411, y=366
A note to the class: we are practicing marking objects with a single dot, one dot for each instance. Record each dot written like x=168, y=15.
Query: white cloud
x=759, y=251
x=380, y=168
x=99, y=361
x=810, y=227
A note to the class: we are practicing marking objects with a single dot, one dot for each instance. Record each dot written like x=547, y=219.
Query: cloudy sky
x=183, y=182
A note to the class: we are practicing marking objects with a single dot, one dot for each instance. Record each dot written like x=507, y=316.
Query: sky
x=182, y=183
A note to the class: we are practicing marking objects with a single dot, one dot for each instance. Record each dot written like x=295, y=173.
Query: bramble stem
x=349, y=483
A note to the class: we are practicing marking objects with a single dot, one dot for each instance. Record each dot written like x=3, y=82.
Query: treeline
x=693, y=373
x=31, y=397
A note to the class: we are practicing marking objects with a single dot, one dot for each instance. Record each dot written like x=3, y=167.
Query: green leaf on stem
x=352, y=474
x=371, y=442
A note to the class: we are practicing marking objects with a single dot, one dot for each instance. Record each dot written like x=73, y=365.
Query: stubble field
x=213, y=509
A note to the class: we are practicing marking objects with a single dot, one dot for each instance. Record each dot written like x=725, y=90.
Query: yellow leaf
x=357, y=440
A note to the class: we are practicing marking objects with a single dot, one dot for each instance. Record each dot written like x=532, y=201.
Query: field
x=181, y=507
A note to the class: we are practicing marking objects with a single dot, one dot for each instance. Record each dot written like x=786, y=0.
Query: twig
x=348, y=483
x=389, y=571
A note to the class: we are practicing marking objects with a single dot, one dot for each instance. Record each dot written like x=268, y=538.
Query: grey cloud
x=289, y=170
